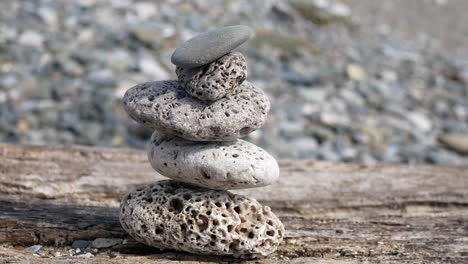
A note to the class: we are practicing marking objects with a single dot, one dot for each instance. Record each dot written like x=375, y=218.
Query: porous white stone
x=215, y=80
x=165, y=106
x=217, y=165
x=180, y=216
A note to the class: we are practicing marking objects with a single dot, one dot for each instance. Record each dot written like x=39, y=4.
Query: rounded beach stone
x=209, y=46
x=180, y=216
x=215, y=80
x=217, y=165
x=165, y=106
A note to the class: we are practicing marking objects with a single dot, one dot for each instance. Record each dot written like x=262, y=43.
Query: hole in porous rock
x=235, y=155
x=218, y=204
x=148, y=199
x=233, y=246
x=204, y=223
x=237, y=209
x=251, y=235
x=177, y=204
x=230, y=228
x=204, y=174
x=159, y=230
x=143, y=228
x=245, y=130
x=187, y=196
x=215, y=129
x=253, y=209
x=270, y=232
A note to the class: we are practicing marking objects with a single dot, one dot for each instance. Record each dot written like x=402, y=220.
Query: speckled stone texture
x=180, y=216
x=165, y=106
x=209, y=46
x=215, y=80
x=217, y=165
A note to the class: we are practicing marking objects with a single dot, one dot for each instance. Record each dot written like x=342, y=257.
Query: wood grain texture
x=333, y=213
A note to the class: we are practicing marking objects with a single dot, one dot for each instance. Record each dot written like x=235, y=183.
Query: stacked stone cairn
x=198, y=120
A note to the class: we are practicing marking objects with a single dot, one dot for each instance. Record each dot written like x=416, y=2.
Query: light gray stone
x=106, y=242
x=209, y=46
x=217, y=165
x=165, y=106
x=80, y=244
x=455, y=141
x=180, y=216
x=215, y=80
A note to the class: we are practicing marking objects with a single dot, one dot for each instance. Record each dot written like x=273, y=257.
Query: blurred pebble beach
x=352, y=80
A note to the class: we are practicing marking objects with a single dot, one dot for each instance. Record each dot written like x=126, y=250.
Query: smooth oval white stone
x=209, y=46
x=217, y=165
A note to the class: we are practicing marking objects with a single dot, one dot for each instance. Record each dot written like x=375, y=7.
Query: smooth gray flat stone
x=209, y=46
x=166, y=106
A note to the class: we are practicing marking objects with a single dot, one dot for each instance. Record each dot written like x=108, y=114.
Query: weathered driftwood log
x=333, y=213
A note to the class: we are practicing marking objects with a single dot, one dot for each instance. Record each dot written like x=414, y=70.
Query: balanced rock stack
x=198, y=120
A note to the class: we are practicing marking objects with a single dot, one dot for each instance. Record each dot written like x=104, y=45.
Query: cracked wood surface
x=333, y=213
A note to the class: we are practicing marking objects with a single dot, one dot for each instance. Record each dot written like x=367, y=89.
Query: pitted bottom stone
x=174, y=215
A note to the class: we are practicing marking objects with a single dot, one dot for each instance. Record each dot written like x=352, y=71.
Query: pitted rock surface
x=180, y=216
x=165, y=106
x=209, y=46
x=215, y=80
x=217, y=165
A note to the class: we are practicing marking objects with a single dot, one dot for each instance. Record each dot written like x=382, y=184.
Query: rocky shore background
x=353, y=80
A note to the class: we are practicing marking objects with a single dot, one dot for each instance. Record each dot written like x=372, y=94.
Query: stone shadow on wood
x=49, y=223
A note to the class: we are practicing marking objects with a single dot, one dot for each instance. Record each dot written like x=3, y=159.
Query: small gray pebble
x=80, y=244
x=35, y=248
x=174, y=215
x=215, y=80
x=106, y=242
x=209, y=46
x=165, y=106
x=216, y=165
x=455, y=141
